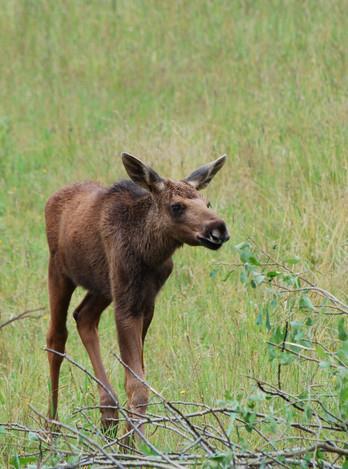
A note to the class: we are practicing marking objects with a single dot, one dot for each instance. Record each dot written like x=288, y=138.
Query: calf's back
x=73, y=225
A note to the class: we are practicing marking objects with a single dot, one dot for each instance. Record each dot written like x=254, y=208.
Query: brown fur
x=117, y=243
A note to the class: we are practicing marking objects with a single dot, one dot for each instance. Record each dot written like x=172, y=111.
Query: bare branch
x=24, y=315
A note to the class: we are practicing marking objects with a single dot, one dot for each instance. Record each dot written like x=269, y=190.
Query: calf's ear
x=142, y=174
x=200, y=178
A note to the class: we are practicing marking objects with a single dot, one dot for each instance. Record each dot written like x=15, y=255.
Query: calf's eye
x=177, y=209
x=209, y=205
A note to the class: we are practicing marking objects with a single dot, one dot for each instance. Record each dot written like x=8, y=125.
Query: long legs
x=60, y=290
x=87, y=316
x=131, y=336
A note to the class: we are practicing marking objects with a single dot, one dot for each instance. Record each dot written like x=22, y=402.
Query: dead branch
x=24, y=315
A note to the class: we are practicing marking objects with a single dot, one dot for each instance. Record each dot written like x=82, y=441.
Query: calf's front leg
x=130, y=337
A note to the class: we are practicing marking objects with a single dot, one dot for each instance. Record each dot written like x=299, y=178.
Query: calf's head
x=181, y=211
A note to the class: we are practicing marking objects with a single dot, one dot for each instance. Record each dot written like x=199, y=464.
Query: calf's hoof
x=109, y=423
x=52, y=428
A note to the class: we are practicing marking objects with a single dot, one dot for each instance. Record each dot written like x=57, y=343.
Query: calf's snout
x=217, y=231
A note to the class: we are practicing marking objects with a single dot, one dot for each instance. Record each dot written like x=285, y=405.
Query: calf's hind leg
x=60, y=289
x=87, y=316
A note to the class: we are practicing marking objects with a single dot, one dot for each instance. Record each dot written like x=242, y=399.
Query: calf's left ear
x=142, y=174
x=200, y=178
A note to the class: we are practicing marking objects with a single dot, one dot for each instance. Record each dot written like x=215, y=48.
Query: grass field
x=176, y=83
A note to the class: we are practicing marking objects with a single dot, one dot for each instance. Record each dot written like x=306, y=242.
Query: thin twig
x=24, y=315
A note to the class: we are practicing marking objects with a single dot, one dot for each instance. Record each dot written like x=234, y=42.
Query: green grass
x=176, y=83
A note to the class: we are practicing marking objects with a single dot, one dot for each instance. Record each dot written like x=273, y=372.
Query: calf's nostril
x=216, y=234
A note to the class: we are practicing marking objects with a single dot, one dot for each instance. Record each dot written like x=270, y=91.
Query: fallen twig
x=24, y=315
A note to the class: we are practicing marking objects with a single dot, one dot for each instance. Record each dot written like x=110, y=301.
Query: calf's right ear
x=142, y=174
x=200, y=178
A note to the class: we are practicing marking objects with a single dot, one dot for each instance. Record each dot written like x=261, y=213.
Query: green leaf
x=24, y=461
x=277, y=336
x=243, y=276
x=272, y=274
x=308, y=412
x=303, y=396
x=309, y=322
x=286, y=358
x=250, y=419
x=33, y=436
x=342, y=352
x=268, y=321
x=297, y=282
x=222, y=459
x=213, y=274
x=305, y=303
x=271, y=425
x=228, y=275
x=258, y=278
x=16, y=462
x=343, y=398
x=252, y=260
x=321, y=354
x=342, y=334
x=245, y=254
x=292, y=260
x=289, y=414
x=147, y=450
x=259, y=317
x=296, y=324
x=243, y=245
x=230, y=426
x=272, y=353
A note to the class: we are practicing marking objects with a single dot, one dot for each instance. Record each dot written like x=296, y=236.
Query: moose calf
x=118, y=243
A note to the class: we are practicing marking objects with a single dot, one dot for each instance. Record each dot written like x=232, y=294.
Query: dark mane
x=127, y=186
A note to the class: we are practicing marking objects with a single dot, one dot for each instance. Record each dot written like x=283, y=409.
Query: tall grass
x=176, y=83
